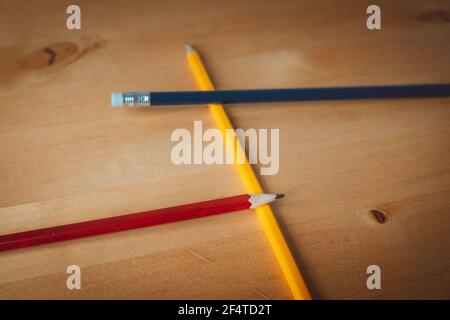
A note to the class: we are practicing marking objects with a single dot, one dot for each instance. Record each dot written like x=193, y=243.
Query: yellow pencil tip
x=189, y=48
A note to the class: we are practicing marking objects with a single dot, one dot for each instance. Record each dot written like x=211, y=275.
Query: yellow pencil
x=277, y=241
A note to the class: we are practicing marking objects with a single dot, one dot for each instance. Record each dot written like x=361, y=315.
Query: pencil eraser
x=117, y=99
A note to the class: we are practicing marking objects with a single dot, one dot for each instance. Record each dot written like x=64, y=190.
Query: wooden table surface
x=67, y=156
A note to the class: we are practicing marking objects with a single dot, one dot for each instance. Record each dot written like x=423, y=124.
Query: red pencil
x=133, y=221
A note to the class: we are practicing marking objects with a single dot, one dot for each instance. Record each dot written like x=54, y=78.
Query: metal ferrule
x=136, y=99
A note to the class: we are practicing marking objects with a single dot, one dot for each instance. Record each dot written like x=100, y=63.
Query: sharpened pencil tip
x=259, y=199
x=189, y=47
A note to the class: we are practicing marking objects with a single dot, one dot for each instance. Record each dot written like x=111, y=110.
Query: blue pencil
x=119, y=99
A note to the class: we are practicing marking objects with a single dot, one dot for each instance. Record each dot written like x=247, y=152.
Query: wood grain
x=67, y=156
